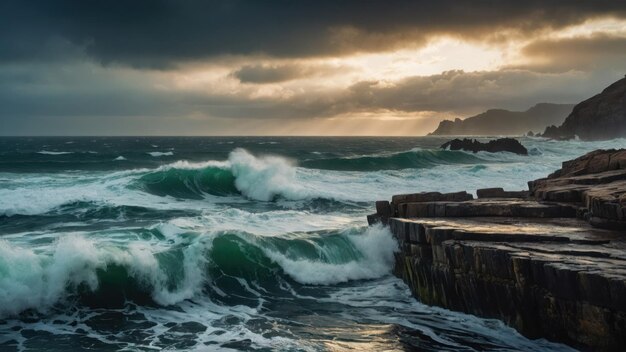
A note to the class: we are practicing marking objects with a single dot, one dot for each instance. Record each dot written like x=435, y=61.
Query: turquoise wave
x=228, y=267
x=189, y=183
x=414, y=159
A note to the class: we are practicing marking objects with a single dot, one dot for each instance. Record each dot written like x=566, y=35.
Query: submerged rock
x=497, y=145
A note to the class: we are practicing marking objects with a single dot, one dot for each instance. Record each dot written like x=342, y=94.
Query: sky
x=341, y=67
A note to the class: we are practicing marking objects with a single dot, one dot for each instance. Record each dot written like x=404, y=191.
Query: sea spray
x=258, y=178
x=37, y=281
x=31, y=279
x=265, y=178
x=366, y=255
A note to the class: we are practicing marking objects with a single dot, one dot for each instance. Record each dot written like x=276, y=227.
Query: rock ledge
x=548, y=261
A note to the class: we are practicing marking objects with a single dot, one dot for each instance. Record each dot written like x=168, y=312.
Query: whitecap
x=38, y=280
x=375, y=244
x=47, y=152
x=157, y=154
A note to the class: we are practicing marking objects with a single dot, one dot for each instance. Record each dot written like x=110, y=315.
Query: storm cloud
x=584, y=53
x=159, y=33
x=215, y=67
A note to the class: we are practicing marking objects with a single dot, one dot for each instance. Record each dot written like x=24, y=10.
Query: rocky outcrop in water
x=499, y=122
x=493, y=146
x=547, y=261
x=598, y=118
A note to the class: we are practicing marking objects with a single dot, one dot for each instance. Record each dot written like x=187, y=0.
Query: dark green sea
x=232, y=243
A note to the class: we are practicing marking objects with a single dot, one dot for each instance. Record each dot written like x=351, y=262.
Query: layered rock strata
x=547, y=261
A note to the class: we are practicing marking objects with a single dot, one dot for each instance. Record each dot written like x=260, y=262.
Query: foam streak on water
x=231, y=243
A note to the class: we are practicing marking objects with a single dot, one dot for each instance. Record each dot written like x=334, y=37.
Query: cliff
x=600, y=117
x=497, y=122
x=550, y=261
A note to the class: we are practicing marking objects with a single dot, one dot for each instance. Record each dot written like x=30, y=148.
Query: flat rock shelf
x=550, y=261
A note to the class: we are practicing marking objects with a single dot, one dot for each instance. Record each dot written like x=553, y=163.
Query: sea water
x=232, y=243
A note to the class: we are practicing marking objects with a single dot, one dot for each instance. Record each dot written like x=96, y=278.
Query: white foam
x=120, y=158
x=47, y=152
x=375, y=244
x=261, y=178
x=264, y=178
x=35, y=279
x=158, y=154
x=40, y=194
x=187, y=165
x=31, y=195
x=271, y=222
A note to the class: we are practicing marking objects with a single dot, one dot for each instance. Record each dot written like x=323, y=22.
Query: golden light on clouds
x=607, y=26
x=438, y=55
x=360, y=75
x=329, y=83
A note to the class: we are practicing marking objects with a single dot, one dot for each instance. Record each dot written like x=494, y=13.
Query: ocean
x=232, y=243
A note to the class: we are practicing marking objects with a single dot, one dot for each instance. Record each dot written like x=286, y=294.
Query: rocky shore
x=550, y=261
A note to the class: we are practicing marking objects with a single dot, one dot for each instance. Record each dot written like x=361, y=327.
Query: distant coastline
x=505, y=122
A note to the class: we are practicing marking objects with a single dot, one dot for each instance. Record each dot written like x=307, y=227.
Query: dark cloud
x=72, y=66
x=159, y=33
x=87, y=89
x=283, y=72
x=80, y=89
x=455, y=92
x=577, y=53
x=89, y=99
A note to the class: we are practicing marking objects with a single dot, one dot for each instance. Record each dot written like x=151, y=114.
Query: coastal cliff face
x=547, y=261
x=597, y=118
x=504, y=122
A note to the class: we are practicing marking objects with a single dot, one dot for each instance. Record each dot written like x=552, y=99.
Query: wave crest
x=259, y=178
x=201, y=264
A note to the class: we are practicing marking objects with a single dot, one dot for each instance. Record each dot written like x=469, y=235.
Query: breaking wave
x=77, y=268
x=258, y=178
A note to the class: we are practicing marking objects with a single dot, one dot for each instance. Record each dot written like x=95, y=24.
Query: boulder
x=498, y=145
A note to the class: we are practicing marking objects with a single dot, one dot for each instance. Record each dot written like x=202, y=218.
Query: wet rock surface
x=595, y=182
x=550, y=261
x=494, y=146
